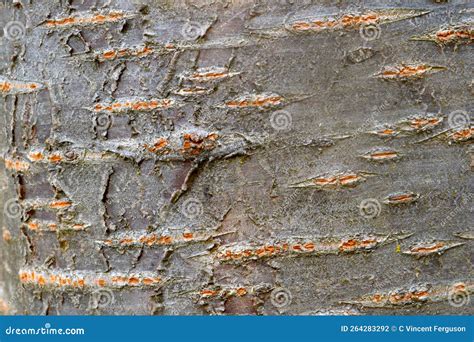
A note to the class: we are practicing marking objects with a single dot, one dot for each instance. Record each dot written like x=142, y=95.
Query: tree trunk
x=236, y=157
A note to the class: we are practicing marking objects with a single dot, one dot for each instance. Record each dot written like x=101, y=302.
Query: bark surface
x=236, y=157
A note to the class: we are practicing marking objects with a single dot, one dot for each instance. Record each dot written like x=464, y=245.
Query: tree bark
x=236, y=157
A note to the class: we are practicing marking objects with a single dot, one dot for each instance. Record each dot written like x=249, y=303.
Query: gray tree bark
x=236, y=157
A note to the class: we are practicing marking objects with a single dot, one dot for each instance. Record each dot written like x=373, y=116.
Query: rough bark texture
x=236, y=157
